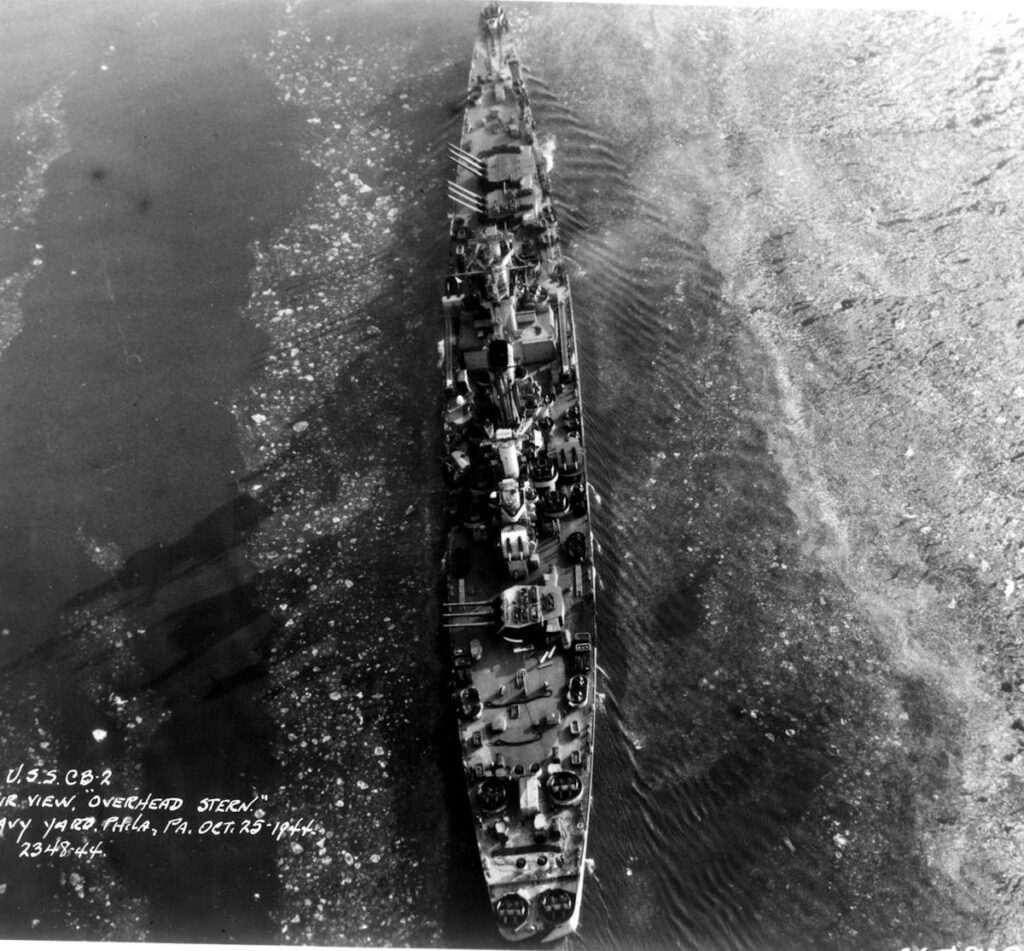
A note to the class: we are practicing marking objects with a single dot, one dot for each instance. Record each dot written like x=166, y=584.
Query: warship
x=519, y=580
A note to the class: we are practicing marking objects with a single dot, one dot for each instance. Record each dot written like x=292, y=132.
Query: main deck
x=519, y=606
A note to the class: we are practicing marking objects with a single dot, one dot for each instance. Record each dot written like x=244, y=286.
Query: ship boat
x=519, y=580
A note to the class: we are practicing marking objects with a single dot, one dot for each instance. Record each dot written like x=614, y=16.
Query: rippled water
x=220, y=497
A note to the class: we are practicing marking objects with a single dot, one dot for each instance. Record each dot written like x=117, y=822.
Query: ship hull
x=519, y=601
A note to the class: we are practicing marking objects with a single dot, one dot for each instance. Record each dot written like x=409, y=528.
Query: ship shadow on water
x=193, y=678
x=176, y=687
x=205, y=670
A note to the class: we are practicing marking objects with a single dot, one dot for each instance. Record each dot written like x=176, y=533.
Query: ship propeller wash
x=519, y=572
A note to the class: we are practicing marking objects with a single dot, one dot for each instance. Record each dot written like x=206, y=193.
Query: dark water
x=219, y=496
x=118, y=504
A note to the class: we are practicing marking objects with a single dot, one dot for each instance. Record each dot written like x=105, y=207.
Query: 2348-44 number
x=60, y=848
